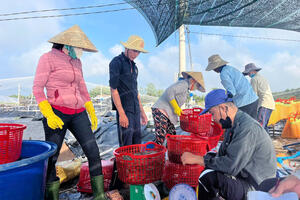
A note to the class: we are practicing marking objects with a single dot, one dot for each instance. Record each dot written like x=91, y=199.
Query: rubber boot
x=98, y=188
x=52, y=191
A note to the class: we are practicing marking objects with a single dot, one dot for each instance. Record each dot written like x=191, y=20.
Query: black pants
x=132, y=134
x=251, y=109
x=80, y=126
x=268, y=184
x=214, y=184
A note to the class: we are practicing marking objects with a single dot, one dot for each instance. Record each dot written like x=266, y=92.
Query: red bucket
x=192, y=121
x=140, y=163
x=177, y=173
x=10, y=142
x=178, y=144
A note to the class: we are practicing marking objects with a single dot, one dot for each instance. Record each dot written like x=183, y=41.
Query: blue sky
x=24, y=41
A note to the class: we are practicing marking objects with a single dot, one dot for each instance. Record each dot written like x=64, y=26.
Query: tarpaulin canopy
x=166, y=16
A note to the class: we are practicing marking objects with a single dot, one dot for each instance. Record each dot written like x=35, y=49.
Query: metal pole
x=19, y=91
x=182, y=54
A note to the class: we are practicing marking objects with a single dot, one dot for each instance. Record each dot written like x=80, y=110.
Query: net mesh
x=166, y=16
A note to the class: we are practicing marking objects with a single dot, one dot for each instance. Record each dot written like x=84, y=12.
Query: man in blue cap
x=246, y=156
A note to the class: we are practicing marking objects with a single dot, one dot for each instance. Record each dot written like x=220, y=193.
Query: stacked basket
x=205, y=135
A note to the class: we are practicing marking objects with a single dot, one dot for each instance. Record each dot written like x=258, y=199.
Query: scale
x=151, y=192
x=182, y=192
x=144, y=192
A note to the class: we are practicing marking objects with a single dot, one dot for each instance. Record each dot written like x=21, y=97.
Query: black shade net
x=166, y=16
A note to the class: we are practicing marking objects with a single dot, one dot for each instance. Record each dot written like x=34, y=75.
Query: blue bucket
x=26, y=178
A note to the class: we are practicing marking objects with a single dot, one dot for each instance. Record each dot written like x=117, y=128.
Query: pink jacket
x=63, y=79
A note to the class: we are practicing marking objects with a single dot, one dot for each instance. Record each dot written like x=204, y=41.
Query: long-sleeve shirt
x=236, y=83
x=63, y=79
x=123, y=75
x=247, y=151
x=177, y=91
x=262, y=88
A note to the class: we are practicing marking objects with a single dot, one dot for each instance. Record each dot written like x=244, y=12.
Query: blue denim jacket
x=236, y=83
x=123, y=77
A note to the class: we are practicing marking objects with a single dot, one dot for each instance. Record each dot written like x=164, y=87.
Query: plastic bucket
x=26, y=178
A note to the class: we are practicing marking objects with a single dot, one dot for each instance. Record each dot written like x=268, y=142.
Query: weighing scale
x=182, y=192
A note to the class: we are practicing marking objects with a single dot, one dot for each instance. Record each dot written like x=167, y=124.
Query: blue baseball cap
x=214, y=98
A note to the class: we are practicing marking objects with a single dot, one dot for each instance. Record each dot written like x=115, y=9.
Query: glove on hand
x=91, y=111
x=176, y=108
x=53, y=120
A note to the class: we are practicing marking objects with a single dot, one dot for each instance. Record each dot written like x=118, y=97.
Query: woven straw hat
x=214, y=62
x=75, y=37
x=250, y=67
x=136, y=43
x=197, y=76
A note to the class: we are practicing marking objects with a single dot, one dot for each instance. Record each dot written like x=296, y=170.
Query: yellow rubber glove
x=176, y=108
x=53, y=120
x=91, y=111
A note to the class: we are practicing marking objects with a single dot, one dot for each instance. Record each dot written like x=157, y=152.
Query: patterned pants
x=163, y=126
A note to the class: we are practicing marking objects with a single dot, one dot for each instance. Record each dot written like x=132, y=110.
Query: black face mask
x=226, y=123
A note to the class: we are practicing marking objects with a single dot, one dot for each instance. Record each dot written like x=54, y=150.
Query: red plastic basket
x=191, y=121
x=84, y=183
x=212, y=137
x=178, y=144
x=176, y=173
x=10, y=142
x=140, y=163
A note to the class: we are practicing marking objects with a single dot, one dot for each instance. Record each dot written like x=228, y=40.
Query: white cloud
x=116, y=50
x=95, y=64
x=26, y=63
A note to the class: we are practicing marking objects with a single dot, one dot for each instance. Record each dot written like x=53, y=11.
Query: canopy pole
x=182, y=54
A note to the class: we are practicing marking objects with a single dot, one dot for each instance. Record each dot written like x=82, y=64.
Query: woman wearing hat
x=261, y=87
x=66, y=105
x=166, y=109
x=237, y=86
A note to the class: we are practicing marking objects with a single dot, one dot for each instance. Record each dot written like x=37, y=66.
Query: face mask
x=71, y=53
x=78, y=52
x=227, y=123
x=251, y=75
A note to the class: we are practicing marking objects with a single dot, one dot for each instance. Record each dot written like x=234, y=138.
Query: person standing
x=167, y=108
x=237, y=86
x=123, y=74
x=261, y=87
x=67, y=105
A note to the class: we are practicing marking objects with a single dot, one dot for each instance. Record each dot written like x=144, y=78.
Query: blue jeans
x=263, y=117
x=132, y=134
x=80, y=126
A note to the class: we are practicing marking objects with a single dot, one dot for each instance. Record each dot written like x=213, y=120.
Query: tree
x=151, y=90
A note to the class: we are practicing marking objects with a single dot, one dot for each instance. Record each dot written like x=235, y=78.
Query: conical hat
x=75, y=37
x=197, y=76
